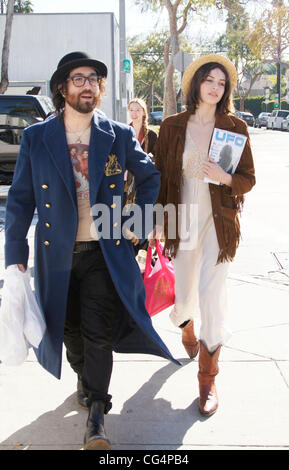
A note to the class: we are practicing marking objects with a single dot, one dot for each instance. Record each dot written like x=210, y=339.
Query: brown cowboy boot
x=189, y=340
x=208, y=369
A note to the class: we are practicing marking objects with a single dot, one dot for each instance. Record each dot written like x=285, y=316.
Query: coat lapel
x=101, y=140
x=56, y=144
x=224, y=121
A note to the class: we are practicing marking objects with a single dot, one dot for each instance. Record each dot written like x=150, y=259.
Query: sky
x=136, y=22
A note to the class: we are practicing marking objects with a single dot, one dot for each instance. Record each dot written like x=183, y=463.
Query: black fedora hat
x=73, y=60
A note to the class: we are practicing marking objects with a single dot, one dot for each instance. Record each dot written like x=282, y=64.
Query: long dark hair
x=59, y=100
x=225, y=105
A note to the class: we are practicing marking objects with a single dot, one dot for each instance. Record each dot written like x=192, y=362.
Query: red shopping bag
x=159, y=282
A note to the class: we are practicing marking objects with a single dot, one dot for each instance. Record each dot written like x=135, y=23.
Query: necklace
x=78, y=134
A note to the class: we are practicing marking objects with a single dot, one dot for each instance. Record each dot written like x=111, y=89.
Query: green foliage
x=270, y=36
x=251, y=105
x=20, y=6
x=147, y=55
x=25, y=6
x=257, y=105
x=148, y=62
x=270, y=105
x=274, y=85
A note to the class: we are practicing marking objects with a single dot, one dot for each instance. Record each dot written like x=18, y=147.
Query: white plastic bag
x=21, y=322
x=34, y=324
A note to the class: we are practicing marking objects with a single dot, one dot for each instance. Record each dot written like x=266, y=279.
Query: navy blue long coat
x=44, y=180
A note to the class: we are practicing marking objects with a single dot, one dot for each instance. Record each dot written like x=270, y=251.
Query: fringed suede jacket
x=226, y=201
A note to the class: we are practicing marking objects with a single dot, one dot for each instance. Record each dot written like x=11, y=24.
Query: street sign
x=126, y=65
x=276, y=104
x=181, y=60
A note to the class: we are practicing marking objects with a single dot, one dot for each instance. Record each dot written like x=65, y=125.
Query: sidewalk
x=155, y=402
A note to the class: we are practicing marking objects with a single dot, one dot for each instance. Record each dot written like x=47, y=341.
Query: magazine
x=226, y=149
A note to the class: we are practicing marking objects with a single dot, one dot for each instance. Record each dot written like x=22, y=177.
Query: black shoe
x=95, y=437
x=80, y=394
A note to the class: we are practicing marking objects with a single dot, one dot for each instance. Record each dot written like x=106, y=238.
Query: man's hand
x=21, y=268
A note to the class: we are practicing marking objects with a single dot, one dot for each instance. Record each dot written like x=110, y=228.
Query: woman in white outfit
x=208, y=229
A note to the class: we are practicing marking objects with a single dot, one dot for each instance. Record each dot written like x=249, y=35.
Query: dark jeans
x=95, y=319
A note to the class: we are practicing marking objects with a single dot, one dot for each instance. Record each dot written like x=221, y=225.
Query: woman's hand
x=156, y=235
x=214, y=172
x=131, y=236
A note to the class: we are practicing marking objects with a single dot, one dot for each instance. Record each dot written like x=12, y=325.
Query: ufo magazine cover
x=226, y=149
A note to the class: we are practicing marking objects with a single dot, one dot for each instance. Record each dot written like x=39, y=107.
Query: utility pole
x=277, y=4
x=122, y=58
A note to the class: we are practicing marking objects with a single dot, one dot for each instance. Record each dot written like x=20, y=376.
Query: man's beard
x=83, y=107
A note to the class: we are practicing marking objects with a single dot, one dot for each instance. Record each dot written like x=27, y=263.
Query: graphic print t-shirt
x=79, y=159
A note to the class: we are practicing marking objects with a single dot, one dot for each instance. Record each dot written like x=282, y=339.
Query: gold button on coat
x=112, y=186
x=44, y=186
x=113, y=206
x=47, y=243
x=118, y=242
x=48, y=206
x=47, y=224
x=115, y=224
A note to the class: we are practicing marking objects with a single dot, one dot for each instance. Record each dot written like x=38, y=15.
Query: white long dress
x=200, y=283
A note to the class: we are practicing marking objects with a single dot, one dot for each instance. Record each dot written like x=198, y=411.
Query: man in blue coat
x=88, y=284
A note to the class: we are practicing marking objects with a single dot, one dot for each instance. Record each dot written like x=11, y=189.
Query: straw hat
x=206, y=59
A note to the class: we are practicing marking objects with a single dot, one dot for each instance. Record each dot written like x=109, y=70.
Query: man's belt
x=79, y=247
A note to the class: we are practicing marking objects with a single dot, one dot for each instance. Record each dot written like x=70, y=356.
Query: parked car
x=276, y=117
x=262, y=119
x=156, y=117
x=248, y=117
x=16, y=113
x=285, y=124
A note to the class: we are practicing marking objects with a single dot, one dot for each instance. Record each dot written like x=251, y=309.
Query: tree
x=179, y=12
x=6, y=46
x=20, y=6
x=23, y=6
x=148, y=66
x=235, y=42
x=270, y=37
x=10, y=7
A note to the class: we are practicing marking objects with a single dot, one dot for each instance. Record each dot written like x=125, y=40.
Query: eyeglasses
x=79, y=80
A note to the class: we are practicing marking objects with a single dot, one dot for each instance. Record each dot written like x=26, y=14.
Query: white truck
x=276, y=117
x=40, y=40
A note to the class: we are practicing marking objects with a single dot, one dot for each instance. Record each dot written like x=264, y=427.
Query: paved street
x=155, y=402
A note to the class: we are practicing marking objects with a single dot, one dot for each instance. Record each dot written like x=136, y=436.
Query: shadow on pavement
x=144, y=421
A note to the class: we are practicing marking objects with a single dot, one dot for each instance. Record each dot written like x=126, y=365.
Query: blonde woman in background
x=147, y=138
x=137, y=109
